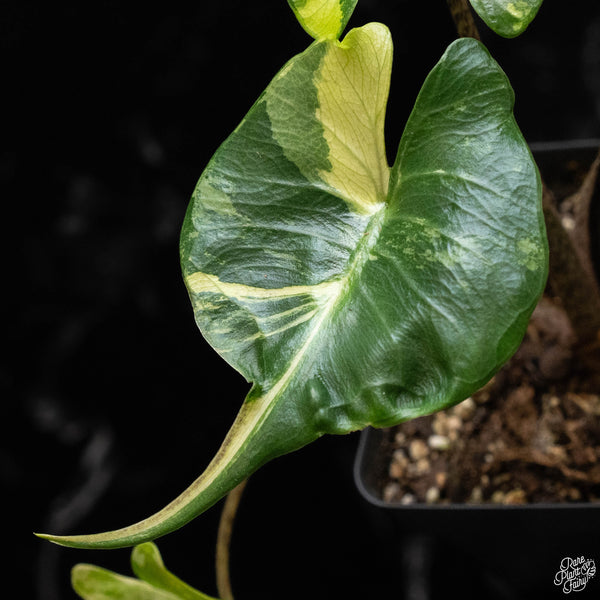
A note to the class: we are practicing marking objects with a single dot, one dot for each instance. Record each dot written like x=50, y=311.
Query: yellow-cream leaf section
x=352, y=88
x=322, y=19
x=310, y=299
x=202, y=282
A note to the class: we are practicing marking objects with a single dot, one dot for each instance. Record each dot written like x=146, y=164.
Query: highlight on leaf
x=507, y=18
x=351, y=293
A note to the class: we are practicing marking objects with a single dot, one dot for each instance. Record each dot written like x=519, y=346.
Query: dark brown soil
x=530, y=435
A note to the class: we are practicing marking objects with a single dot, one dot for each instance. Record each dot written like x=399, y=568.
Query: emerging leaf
x=348, y=293
x=507, y=18
x=155, y=581
x=94, y=583
x=148, y=566
x=323, y=19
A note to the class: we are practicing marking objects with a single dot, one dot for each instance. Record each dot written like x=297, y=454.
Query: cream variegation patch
x=320, y=18
x=203, y=282
x=353, y=86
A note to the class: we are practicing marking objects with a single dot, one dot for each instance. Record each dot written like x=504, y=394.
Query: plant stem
x=572, y=279
x=582, y=200
x=224, y=540
x=463, y=18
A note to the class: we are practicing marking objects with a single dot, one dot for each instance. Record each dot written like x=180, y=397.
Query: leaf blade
x=507, y=18
x=148, y=566
x=154, y=581
x=95, y=583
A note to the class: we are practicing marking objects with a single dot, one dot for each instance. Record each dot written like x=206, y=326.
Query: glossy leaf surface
x=154, y=581
x=506, y=18
x=349, y=293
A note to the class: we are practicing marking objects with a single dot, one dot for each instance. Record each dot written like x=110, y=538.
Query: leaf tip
x=59, y=540
x=507, y=19
x=323, y=19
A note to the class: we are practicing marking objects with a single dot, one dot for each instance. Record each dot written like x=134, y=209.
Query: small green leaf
x=507, y=18
x=323, y=19
x=349, y=293
x=148, y=566
x=154, y=583
x=94, y=583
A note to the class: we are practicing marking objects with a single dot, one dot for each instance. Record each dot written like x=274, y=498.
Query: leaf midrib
x=349, y=276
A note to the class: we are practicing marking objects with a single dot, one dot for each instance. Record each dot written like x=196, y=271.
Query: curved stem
x=463, y=18
x=224, y=540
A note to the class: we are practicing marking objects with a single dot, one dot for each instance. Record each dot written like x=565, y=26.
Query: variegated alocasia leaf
x=349, y=293
x=323, y=19
x=154, y=581
x=507, y=18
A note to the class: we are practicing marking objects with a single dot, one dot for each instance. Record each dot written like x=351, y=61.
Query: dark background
x=112, y=403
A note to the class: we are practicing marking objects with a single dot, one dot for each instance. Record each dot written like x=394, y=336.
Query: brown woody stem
x=572, y=280
x=224, y=541
x=463, y=18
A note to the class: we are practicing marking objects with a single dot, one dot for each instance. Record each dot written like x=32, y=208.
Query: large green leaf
x=349, y=293
x=506, y=18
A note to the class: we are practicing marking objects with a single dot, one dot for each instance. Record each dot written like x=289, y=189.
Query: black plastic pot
x=500, y=551
x=483, y=551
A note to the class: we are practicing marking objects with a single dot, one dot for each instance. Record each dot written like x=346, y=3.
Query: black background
x=112, y=402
